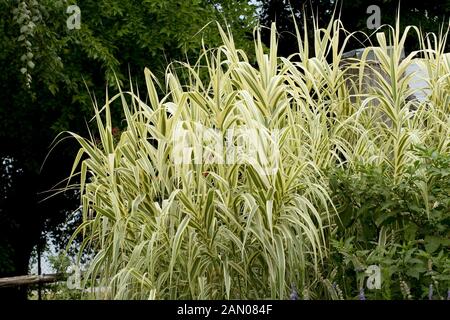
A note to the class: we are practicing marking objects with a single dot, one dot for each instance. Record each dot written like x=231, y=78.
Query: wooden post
x=39, y=267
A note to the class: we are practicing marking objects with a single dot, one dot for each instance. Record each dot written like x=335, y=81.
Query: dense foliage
x=337, y=183
x=403, y=228
x=49, y=75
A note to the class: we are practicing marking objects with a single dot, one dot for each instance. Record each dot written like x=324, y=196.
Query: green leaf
x=432, y=243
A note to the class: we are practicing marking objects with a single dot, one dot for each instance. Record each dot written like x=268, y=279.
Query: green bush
x=403, y=228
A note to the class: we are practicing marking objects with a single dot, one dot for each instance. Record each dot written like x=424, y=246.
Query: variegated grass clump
x=232, y=230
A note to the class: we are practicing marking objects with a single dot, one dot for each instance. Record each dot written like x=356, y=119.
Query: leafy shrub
x=403, y=228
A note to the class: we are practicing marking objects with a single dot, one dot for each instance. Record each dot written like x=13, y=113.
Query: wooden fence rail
x=30, y=279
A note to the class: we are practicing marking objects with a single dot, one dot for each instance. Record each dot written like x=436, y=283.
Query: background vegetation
x=47, y=70
x=353, y=187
